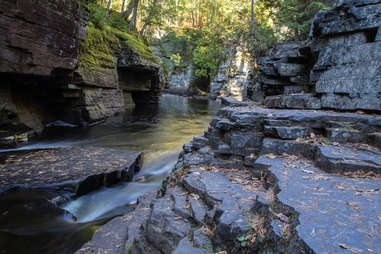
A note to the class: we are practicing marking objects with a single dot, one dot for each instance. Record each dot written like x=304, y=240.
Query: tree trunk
x=124, y=3
x=149, y=18
x=252, y=24
x=129, y=10
x=108, y=7
x=133, y=19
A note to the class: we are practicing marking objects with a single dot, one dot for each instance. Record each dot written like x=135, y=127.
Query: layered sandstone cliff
x=56, y=65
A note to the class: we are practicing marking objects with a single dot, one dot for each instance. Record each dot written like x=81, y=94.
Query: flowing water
x=159, y=132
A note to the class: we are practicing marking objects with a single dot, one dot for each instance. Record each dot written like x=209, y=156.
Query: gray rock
x=231, y=102
x=225, y=125
x=201, y=240
x=378, y=36
x=347, y=17
x=240, y=141
x=294, y=101
x=164, y=230
x=287, y=132
x=289, y=69
x=347, y=159
x=345, y=135
x=295, y=89
x=198, y=209
x=180, y=202
x=279, y=147
x=186, y=247
x=371, y=101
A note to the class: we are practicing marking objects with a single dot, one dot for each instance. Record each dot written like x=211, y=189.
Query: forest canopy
x=214, y=24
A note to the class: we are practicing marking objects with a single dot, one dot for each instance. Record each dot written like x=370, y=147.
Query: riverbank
x=262, y=179
x=159, y=132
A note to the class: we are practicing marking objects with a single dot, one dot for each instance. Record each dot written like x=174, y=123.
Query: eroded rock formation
x=337, y=69
x=234, y=75
x=289, y=176
x=52, y=68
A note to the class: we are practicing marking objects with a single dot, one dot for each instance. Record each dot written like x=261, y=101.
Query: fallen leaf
x=270, y=156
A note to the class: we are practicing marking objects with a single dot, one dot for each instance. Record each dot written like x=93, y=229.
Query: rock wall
x=181, y=75
x=337, y=69
x=40, y=38
x=347, y=73
x=234, y=75
x=232, y=79
x=54, y=65
x=284, y=76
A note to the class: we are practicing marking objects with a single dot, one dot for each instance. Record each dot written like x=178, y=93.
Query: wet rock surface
x=75, y=170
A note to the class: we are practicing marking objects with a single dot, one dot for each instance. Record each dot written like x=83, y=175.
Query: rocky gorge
x=299, y=174
x=293, y=168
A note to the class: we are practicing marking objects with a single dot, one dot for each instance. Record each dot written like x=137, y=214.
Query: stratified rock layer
x=76, y=170
x=54, y=65
x=338, y=69
x=270, y=180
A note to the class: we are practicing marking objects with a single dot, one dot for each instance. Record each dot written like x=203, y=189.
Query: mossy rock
x=105, y=41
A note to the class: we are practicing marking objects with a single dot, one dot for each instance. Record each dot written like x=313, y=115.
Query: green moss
x=105, y=40
x=128, y=250
x=98, y=50
x=137, y=46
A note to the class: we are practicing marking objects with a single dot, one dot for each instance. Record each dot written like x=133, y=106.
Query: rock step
x=293, y=132
x=336, y=213
x=186, y=247
x=345, y=135
x=340, y=159
x=78, y=170
x=330, y=158
x=293, y=101
x=216, y=207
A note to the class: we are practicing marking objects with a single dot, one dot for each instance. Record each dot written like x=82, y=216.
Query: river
x=158, y=131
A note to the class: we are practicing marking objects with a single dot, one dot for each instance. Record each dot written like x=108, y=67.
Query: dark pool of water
x=159, y=132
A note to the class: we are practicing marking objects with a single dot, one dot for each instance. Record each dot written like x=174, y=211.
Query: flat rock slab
x=78, y=170
x=346, y=158
x=337, y=214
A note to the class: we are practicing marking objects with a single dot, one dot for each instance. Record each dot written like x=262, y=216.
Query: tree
x=124, y=3
x=252, y=24
x=108, y=7
x=129, y=9
x=153, y=10
x=134, y=16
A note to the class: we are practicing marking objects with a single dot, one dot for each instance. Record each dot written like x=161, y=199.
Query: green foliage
x=206, y=27
x=207, y=55
x=176, y=59
x=295, y=17
x=128, y=250
x=242, y=240
x=105, y=36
